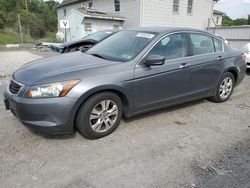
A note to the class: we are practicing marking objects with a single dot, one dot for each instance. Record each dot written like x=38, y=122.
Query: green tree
x=33, y=25
x=37, y=20
x=227, y=21
x=46, y=12
x=52, y=4
x=1, y=20
x=2, y=14
x=240, y=21
x=248, y=19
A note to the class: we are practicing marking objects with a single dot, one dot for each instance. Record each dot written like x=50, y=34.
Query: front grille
x=14, y=87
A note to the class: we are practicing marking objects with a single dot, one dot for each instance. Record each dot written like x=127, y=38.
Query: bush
x=8, y=38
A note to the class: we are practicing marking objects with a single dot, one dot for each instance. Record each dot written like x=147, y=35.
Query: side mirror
x=154, y=60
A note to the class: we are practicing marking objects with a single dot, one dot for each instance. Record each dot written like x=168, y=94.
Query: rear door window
x=218, y=45
x=202, y=44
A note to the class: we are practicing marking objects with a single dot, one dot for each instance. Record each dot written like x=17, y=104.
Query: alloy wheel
x=226, y=88
x=103, y=116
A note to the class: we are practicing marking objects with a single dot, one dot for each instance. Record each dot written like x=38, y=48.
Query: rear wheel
x=100, y=115
x=225, y=88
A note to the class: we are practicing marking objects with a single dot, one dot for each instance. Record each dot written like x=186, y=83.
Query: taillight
x=244, y=57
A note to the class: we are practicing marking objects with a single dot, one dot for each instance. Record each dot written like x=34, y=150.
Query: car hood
x=48, y=67
x=83, y=41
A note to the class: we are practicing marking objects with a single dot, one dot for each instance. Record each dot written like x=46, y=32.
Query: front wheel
x=100, y=115
x=225, y=88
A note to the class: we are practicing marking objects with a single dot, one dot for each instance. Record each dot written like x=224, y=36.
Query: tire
x=100, y=115
x=227, y=78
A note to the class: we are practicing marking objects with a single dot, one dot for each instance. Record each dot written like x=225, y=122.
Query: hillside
x=38, y=20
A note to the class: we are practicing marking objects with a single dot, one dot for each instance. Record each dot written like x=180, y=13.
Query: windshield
x=122, y=46
x=98, y=36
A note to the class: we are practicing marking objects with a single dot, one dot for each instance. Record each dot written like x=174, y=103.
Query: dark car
x=131, y=72
x=83, y=44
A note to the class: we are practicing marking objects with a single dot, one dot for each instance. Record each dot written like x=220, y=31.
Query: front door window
x=172, y=47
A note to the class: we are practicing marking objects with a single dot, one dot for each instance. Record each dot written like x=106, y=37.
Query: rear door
x=206, y=65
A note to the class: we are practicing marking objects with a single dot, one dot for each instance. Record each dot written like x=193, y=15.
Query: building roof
x=68, y=2
x=219, y=12
x=91, y=13
x=102, y=15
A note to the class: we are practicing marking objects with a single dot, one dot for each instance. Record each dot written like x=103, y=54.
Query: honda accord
x=131, y=72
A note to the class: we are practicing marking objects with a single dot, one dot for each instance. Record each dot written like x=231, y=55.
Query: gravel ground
x=199, y=144
x=11, y=60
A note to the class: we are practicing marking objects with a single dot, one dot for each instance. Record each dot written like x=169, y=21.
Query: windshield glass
x=98, y=36
x=122, y=46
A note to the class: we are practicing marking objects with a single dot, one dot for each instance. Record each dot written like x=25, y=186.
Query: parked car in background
x=247, y=54
x=222, y=38
x=129, y=73
x=83, y=44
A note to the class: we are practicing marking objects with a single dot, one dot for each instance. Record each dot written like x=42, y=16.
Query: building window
x=217, y=20
x=90, y=5
x=117, y=5
x=117, y=26
x=88, y=28
x=65, y=12
x=176, y=5
x=190, y=7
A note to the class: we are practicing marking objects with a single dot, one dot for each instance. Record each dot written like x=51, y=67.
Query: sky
x=234, y=8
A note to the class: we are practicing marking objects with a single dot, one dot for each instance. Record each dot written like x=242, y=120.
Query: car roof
x=107, y=30
x=167, y=29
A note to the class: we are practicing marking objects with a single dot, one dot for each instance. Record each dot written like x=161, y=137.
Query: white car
x=247, y=54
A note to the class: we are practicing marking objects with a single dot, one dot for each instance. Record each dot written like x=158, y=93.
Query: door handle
x=183, y=65
x=220, y=57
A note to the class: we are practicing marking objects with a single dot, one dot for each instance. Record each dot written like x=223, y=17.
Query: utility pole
x=65, y=35
x=20, y=28
x=26, y=5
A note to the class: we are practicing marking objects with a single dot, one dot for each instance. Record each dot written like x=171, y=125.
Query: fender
x=113, y=88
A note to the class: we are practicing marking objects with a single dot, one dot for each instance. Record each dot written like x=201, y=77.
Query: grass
x=10, y=37
x=50, y=37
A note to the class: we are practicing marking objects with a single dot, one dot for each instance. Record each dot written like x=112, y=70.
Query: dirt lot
x=199, y=144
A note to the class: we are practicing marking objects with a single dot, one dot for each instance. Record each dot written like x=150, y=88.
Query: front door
x=168, y=83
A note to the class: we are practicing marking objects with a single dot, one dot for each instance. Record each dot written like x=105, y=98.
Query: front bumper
x=48, y=116
x=248, y=59
x=248, y=65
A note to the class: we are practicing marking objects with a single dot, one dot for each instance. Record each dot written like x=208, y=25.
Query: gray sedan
x=131, y=72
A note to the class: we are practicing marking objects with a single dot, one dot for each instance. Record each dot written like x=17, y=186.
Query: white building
x=217, y=18
x=140, y=13
x=83, y=22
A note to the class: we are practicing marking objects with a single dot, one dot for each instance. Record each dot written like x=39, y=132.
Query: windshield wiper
x=98, y=55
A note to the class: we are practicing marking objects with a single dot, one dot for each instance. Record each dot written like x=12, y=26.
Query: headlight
x=59, y=89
